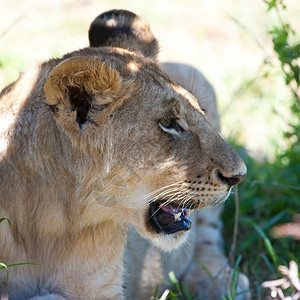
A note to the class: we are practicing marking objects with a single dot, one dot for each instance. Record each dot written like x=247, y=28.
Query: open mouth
x=168, y=218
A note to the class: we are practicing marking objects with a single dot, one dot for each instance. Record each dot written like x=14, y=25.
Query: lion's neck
x=60, y=228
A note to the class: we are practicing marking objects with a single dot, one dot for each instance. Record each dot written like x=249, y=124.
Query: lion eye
x=172, y=127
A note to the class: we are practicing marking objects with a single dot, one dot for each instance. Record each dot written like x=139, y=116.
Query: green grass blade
x=269, y=264
x=155, y=292
x=187, y=293
x=4, y=266
x=165, y=295
x=265, y=226
x=175, y=282
x=267, y=243
x=235, y=276
x=2, y=219
x=207, y=272
x=21, y=264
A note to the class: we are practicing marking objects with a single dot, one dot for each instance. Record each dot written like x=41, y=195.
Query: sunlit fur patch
x=188, y=96
x=14, y=102
x=112, y=23
x=133, y=66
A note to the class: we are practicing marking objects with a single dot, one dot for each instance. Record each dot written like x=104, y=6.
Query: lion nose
x=235, y=178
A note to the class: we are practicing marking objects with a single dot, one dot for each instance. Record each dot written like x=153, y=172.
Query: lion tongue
x=168, y=208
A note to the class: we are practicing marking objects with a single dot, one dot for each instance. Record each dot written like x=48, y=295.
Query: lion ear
x=78, y=85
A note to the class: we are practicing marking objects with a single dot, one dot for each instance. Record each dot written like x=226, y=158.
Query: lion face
x=157, y=155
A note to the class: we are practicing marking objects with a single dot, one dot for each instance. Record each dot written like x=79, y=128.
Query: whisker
x=163, y=194
x=192, y=196
x=187, y=199
x=191, y=205
x=176, y=196
x=162, y=188
x=167, y=202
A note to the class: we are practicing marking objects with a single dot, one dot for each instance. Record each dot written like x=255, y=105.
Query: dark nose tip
x=232, y=180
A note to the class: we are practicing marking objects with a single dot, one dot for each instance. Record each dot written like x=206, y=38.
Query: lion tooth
x=177, y=216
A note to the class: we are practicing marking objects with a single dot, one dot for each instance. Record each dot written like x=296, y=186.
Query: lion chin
x=166, y=226
x=168, y=243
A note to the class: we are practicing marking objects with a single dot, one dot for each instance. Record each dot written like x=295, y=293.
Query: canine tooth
x=177, y=216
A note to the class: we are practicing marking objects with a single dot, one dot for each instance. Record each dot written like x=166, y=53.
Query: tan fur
x=73, y=178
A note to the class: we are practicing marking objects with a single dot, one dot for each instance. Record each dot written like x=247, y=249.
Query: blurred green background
x=229, y=41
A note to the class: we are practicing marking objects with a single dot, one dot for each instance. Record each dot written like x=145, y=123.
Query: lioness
x=91, y=143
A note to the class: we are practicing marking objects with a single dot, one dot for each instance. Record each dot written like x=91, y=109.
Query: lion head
x=154, y=155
